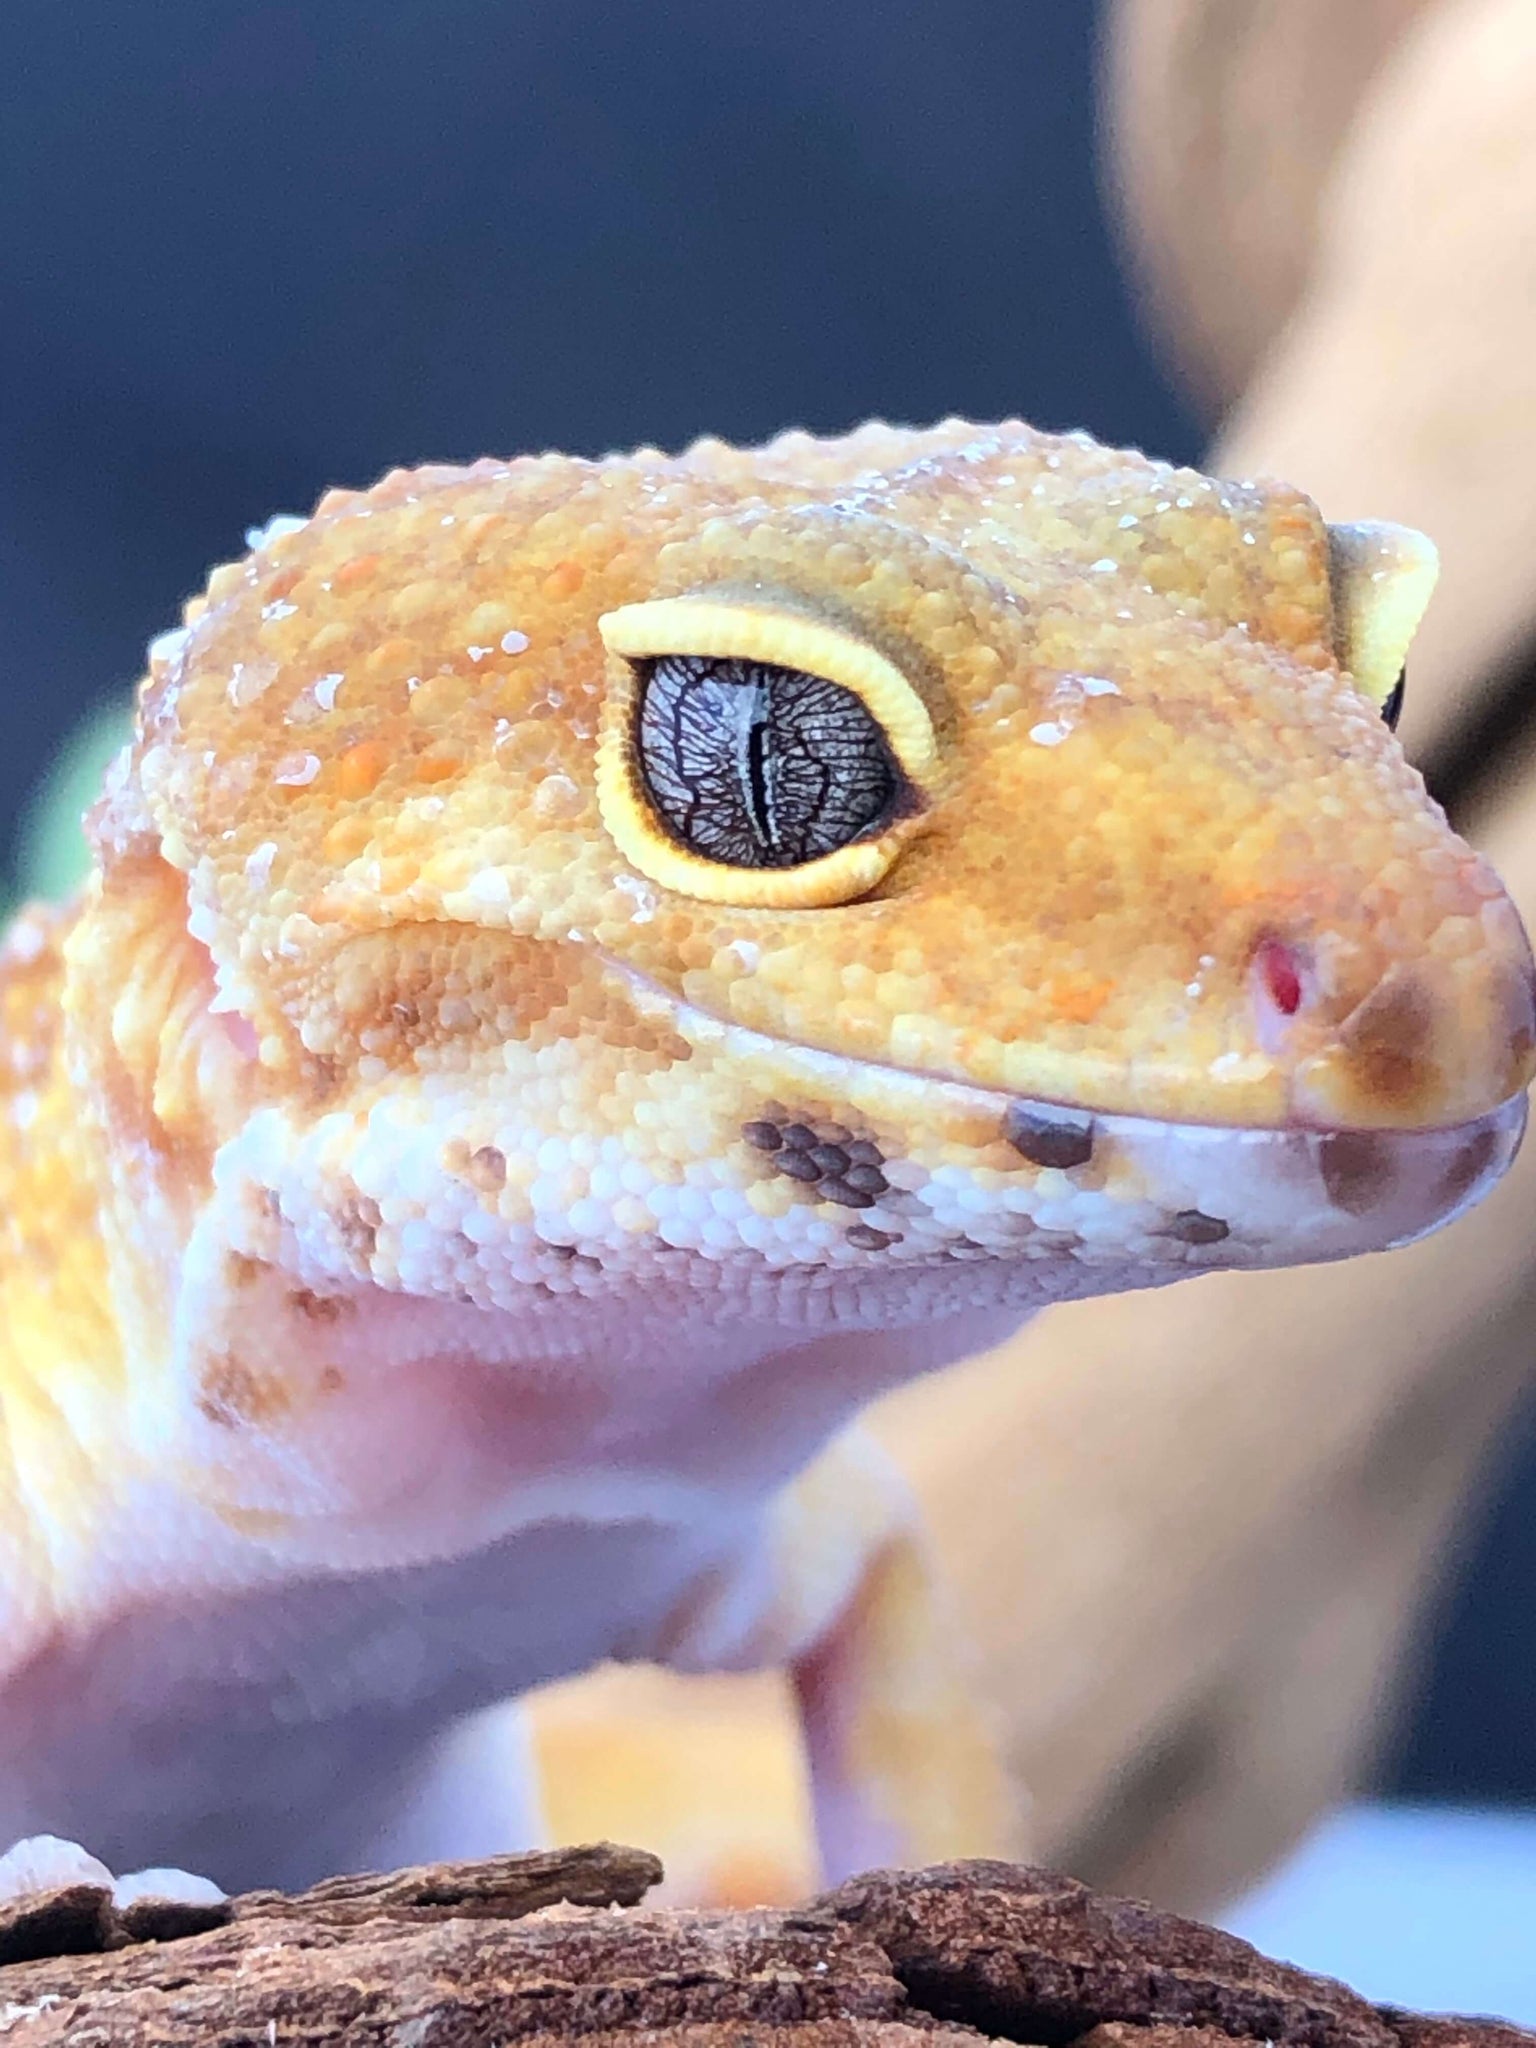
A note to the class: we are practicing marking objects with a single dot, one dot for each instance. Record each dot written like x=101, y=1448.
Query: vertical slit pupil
x=758, y=793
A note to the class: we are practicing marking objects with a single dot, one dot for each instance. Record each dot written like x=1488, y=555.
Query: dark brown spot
x=798, y=1166
x=865, y=1238
x=1468, y=1168
x=318, y=1308
x=487, y=1169
x=1524, y=1003
x=241, y=1272
x=1193, y=1226
x=1388, y=1040
x=230, y=1393
x=357, y=1225
x=1357, y=1169
x=830, y=1159
x=1058, y=1139
x=843, y=1168
x=1520, y=1005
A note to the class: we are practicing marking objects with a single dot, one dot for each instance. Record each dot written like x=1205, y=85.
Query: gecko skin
x=593, y=972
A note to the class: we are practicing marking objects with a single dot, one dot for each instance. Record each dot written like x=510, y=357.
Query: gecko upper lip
x=677, y=1006
x=1317, y=1191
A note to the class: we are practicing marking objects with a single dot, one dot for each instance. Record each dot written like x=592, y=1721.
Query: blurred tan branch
x=1195, y=1535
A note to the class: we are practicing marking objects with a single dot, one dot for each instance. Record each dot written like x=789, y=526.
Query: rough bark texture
x=479, y=1954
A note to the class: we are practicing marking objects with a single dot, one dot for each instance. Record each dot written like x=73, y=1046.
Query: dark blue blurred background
x=253, y=249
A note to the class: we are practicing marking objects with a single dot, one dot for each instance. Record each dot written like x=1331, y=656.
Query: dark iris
x=1392, y=708
x=761, y=767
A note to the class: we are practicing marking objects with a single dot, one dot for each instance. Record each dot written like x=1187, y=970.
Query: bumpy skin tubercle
x=448, y=1213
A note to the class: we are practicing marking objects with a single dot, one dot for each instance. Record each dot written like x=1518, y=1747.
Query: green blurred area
x=51, y=854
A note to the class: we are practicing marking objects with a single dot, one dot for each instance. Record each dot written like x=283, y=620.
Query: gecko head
x=967, y=848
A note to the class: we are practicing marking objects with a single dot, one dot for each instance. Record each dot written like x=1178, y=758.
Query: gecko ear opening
x=1382, y=577
x=757, y=756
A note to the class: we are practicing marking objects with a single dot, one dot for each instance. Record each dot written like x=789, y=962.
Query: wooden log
x=946, y=1958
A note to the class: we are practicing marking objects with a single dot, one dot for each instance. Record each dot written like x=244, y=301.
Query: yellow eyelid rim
x=709, y=626
x=715, y=628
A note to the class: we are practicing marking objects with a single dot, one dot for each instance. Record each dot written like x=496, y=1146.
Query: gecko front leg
x=904, y=1761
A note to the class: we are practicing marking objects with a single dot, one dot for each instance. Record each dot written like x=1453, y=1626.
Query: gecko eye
x=758, y=765
x=757, y=757
x=1392, y=707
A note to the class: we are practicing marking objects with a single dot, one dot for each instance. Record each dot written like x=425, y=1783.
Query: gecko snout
x=1434, y=1042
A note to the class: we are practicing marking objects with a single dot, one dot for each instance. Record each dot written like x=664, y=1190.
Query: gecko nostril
x=1280, y=972
x=1280, y=983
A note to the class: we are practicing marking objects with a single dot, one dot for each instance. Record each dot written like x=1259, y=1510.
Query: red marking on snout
x=1278, y=971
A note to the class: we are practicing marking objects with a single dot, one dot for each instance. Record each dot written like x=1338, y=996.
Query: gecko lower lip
x=1321, y=1194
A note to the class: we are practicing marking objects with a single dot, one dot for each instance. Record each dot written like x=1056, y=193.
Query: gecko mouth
x=1271, y=1196
x=1114, y=1190
x=866, y=1145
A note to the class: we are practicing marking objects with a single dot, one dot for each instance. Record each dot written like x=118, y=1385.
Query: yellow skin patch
x=414, y=1145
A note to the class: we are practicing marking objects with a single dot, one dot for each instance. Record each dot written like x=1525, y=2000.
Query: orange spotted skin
x=395, y=1165
x=1043, y=931
x=63, y=1363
